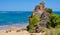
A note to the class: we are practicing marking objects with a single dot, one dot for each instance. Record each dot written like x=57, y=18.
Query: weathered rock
x=44, y=16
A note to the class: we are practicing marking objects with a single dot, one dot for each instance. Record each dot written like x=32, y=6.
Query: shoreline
x=18, y=31
x=6, y=27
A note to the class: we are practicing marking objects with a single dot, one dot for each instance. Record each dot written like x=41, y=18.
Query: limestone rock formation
x=40, y=11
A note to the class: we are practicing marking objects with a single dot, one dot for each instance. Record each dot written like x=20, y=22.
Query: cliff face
x=40, y=19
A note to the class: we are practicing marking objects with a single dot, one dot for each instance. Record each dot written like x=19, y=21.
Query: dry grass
x=33, y=34
x=52, y=32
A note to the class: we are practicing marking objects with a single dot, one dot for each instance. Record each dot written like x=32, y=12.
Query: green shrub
x=54, y=20
x=34, y=20
x=49, y=10
x=58, y=33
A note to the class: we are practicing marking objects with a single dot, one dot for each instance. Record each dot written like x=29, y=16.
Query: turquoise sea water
x=14, y=17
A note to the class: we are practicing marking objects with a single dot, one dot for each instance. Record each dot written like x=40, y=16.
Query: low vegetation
x=53, y=22
x=33, y=21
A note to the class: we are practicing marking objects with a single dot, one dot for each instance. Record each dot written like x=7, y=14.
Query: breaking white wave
x=6, y=27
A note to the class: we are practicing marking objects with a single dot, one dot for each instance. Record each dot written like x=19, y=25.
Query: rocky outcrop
x=40, y=11
x=44, y=21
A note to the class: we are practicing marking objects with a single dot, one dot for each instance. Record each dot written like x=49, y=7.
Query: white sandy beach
x=15, y=29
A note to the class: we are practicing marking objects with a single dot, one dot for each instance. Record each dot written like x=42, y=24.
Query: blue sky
x=27, y=5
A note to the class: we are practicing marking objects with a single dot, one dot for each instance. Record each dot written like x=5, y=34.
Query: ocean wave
x=18, y=25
